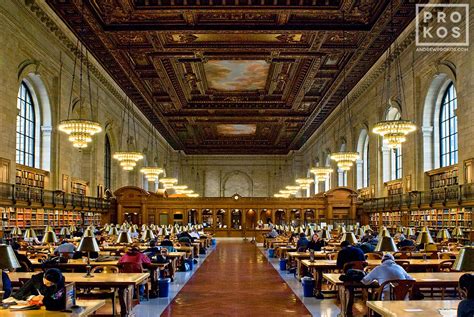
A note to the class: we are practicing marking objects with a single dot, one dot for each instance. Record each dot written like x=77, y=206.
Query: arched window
x=448, y=128
x=25, y=127
x=363, y=174
x=107, y=164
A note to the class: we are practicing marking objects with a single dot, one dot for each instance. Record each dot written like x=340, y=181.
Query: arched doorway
x=236, y=219
x=250, y=219
x=280, y=217
x=207, y=218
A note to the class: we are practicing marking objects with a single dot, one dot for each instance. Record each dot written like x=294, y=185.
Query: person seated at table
x=387, y=271
x=166, y=242
x=185, y=237
x=133, y=262
x=367, y=247
x=7, y=285
x=194, y=234
x=367, y=236
x=348, y=253
x=302, y=243
x=152, y=250
x=293, y=238
x=26, y=265
x=272, y=234
x=316, y=243
x=466, y=291
x=78, y=233
x=65, y=249
x=46, y=288
x=405, y=242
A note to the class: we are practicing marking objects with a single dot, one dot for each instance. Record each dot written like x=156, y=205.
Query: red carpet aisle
x=236, y=280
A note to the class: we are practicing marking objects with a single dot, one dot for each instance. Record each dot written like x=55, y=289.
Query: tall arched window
x=107, y=164
x=448, y=128
x=362, y=165
x=25, y=128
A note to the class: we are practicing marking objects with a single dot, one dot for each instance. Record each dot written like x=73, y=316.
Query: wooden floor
x=236, y=280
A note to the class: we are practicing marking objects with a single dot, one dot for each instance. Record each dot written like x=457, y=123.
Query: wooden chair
x=102, y=293
x=407, y=248
x=373, y=256
x=354, y=265
x=131, y=267
x=402, y=255
x=331, y=256
x=404, y=264
x=446, y=265
x=399, y=290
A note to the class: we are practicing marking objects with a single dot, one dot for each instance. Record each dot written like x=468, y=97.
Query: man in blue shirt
x=302, y=243
x=349, y=253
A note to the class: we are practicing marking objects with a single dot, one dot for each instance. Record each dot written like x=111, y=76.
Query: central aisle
x=236, y=280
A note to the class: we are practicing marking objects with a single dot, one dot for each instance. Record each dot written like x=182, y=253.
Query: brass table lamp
x=88, y=244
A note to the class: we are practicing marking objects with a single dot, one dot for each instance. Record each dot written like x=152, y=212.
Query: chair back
x=332, y=256
x=373, y=256
x=446, y=265
x=402, y=255
x=405, y=264
x=408, y=248
x=354, y=265
x=399, y=289
x=105, y=269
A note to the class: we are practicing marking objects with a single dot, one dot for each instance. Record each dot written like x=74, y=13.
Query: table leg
x=154, y=276
x=298, y=269
x=318, y=278
x=126, y=299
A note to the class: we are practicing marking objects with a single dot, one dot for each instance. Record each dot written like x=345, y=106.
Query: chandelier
x=128, y=160
x=292, y=188
x=193, y=195
x=345, y=160
x=129, y=156
x=281, y=196
x=185, y=191
x=152, y=173
x=394, y=132
x=287, y=192
x=321, y=173
x=304, y=182
x=168, y=182
x=179, y=188
x=80, y=129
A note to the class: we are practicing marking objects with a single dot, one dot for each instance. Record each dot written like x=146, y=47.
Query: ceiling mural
x=236, y=129
x=236, y=77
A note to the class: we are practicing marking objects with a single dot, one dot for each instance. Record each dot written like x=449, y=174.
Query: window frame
x=107, y=163
x=448, y=128
x=26, y=124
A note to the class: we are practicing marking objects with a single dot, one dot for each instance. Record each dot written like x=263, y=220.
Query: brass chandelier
x=304, y=183
x=345, y=160
x=152, y=172
x=168, y=182
x=321, y=173
x=81, y=129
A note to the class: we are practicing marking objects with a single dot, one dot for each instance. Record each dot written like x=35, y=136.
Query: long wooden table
x=318, y=266
x=299, y=256
x=124, y=282
x=86, y=308
x=423, y=279
x=414, y=308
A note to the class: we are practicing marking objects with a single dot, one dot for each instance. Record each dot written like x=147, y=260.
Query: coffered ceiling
x=236, y=76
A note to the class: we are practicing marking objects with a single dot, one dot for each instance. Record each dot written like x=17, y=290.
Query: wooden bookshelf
x=31, y=177
x=443, y=218
x=79, y=187
x=39, y=217
x=443, y=177
x=365, y=193
x=394, y=187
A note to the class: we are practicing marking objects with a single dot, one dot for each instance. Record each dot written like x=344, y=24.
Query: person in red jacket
x=133, y=262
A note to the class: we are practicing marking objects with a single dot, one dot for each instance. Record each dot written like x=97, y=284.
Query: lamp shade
x=88, y=233
x=464, y=260
x=72, y=228
x=383, y=233
x=107, y=228
x=124, y=237
x=48, y=228
x=148, y=235
x=386, y=244
x=325, y=234
x=360, y=232
x=29, y=234
x=64, y=232
x=341, y=229
x=8, y=260
x=88, y=244
x=409, y=232
x=132, y=230
x=423, y=238
x=16, y=231
x=113, y=231
x=349, y=237
x=457, y=232
x=49, y=237
x=400, y=229
x=443, y=234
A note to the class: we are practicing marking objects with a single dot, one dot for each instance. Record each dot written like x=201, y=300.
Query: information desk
x=86, y=308
x=414, y=308
x=124, y=282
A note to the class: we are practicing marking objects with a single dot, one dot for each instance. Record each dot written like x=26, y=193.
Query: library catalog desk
x=417, y=308
x=124, y=282
x=86, y=308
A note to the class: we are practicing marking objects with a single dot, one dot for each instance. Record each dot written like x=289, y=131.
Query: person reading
x=466, y=291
